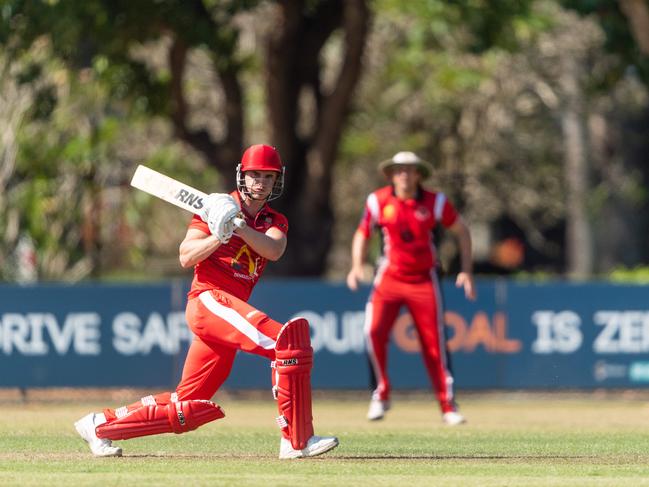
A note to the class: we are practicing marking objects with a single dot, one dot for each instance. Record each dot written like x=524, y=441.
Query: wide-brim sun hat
x=406, y=158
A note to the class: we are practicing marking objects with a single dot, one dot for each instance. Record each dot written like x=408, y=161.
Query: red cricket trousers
x=222, y=324
x=423, y=300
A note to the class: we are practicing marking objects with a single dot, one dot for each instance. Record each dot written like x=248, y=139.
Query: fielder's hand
x=465, y=281
x=355, y=276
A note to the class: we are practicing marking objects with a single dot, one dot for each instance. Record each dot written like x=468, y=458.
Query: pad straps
x=174, y=417
x=294, y=360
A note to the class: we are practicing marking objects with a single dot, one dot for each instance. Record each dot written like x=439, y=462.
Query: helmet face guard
x=261, y=157
x=275, y=193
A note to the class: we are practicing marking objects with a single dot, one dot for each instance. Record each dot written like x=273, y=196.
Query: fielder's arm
x=465, y=276
x=359, y=251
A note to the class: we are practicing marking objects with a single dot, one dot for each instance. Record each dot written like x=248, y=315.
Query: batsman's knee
x=295, y=335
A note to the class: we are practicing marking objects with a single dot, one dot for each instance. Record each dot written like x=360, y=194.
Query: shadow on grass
x=359, y=457
x=461, y=457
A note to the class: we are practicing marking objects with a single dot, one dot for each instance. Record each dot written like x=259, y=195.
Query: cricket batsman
x=228, y=260
x=407, y=214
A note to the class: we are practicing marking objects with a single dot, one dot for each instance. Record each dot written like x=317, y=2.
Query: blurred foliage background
x=535, y=114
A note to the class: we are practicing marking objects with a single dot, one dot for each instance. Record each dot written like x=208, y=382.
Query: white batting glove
x=215, y=200
x=220, y=219
x=224, y=228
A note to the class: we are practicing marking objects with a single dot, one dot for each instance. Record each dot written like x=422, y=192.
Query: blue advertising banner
x=101, y=335
x=515, y=336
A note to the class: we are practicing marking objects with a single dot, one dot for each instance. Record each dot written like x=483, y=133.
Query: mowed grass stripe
x=544, y=440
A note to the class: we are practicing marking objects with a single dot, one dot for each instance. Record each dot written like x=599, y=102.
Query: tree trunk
x=306, y=136
x=579, y=253
x=221, y=154
x=637, y=12
x=307, y=141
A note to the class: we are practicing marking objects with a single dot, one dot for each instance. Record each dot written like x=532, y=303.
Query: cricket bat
x=172, y=191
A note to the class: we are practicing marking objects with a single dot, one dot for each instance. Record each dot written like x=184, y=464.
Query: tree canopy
x=96, y=87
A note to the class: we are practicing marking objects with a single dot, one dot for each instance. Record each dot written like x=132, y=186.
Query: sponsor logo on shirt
x=242, y=276
x=240, y=268
x=407, y=236
x=422, y=214
x=389, y=213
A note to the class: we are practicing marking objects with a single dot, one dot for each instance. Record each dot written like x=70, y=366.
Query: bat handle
x=239, y=222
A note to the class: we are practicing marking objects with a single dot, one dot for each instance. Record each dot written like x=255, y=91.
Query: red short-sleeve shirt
x=235, y=267
x=407, y=229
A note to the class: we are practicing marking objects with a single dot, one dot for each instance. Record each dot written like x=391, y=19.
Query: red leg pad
x=175, y=417
x=293, y=363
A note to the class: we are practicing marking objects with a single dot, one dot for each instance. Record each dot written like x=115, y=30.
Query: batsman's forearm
x=269, y=247
x=193, y=251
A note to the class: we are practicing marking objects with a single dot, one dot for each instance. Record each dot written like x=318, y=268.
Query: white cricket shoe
x=100, y=447
x=453, y=418
x=377, y=409
x=317, y=445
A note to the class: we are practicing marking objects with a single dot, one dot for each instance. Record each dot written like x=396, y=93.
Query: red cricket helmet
x=261, y=157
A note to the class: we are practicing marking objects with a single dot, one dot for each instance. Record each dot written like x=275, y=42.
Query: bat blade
x=168, y=189
x=172, y=191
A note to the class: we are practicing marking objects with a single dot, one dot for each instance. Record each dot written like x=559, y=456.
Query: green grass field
x=511, y=439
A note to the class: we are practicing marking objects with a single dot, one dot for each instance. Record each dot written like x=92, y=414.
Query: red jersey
x=407, y=227
x=235, y=267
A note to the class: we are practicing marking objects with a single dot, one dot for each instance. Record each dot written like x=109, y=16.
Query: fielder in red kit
x=407, y=214
x=228, y=246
